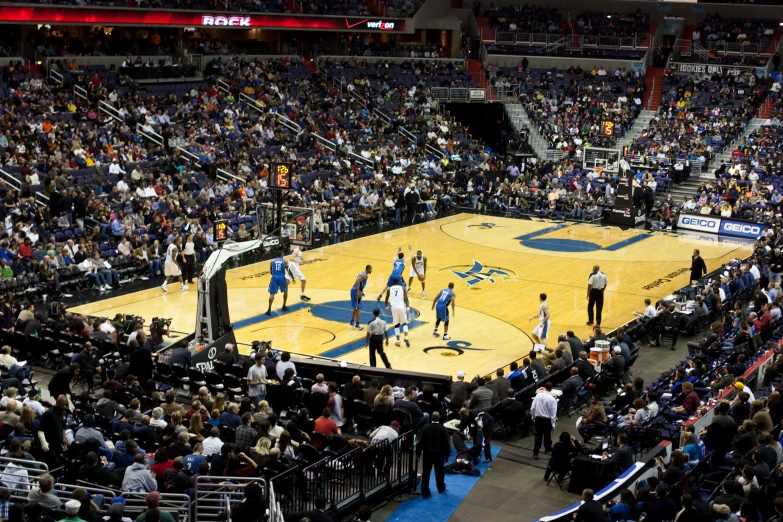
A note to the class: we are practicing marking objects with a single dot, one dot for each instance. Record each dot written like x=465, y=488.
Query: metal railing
x=252, y=102
x=650, y=98
x=573, y=41
x=434, y=151
x=109, y=109
x=382, y=115
x=222, y=85
x=730, y=48
x=41, y=199
x=213, y=494
x=286, y=122
x=361, y=159
x=147, y=132
x=56, y=76
x=175, y=503
x=408, y=135
x=637, y=41
x=329, y=144
x=80, y=91
x=11, y=180
x=188, y=155
x=65, y=492
x=359, y=476
x=19, y=475
x=227, y=176
x=357, y=97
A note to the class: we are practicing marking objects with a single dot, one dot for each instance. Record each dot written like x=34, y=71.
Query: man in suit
x=575, y=343
x=460, y=390
x=316, y=515
x=434, y=444
x=90, y=362
x=591, y=510
x=372, y=391
x=698, y=267
x=502, y=384
x=586, y=368
x=623, y=457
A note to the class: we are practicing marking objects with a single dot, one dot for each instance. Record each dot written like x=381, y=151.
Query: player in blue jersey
x=278, y=283
x=441, y=304
x=357, y=292
x=397, y=269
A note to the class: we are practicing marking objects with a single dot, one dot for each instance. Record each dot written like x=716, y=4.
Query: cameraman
x=158, y=328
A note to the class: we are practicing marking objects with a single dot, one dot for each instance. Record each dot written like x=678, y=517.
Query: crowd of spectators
x=716, y=29
x=571, y=106
x=526, y=19
x=620, y=25
x=698, y=117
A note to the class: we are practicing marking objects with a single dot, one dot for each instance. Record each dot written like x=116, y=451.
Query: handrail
x=147, y=132
x=382, y=115
x=357, y=97
x=223, y=86
x=362, y=159
x=110, y=110
x=41, y=196
x=56, y=76
x=188, y=155
x=226, y=175
x=329, y=144
x=432, y=150
x=286, y=122
x=405, y=133
x=80, y=91
x=650, y=99
x=11, y=180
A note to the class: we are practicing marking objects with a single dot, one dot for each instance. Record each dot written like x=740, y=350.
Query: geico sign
x=696, y=222
x=240, y=21
x=380, y=24
x=742, y=229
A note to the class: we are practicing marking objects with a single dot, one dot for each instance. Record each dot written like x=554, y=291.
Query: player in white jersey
x=397, y=297
x=541, y=331
x=171, y=266
x=419, y=270
x=294, y=272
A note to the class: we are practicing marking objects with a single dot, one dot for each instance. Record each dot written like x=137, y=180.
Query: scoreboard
x=280, y=176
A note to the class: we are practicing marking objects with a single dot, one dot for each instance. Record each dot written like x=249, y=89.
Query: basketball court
x=499, y=267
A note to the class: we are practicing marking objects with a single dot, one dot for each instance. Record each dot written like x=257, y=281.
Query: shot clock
x=220, y=230
x=281, y=176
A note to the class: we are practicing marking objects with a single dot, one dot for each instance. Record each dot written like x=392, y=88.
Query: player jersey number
x=278, y=265
x=444, y=298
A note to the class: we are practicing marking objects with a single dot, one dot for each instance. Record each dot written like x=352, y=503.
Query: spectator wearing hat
x=72, y=508
x=229, y=357
x=739, y=386
x=32, y=400
x=460, y=390
x=153, y=502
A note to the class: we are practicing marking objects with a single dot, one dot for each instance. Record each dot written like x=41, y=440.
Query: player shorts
x=399, y=315
x=442, y=314
x=392, y=277
x=416, y=272
x=541, y=330
x=171, y=269
x=278, y=284
x=356, y=299
x=294, y=272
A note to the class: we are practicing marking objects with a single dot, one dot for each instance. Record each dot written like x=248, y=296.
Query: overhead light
x=608, y=16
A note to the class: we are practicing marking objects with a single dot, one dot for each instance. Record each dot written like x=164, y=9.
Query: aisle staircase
x=639, y=126
x=653, y=88
x=724, y=156
x=518, y=118
x=476, y=70
x=482, y=22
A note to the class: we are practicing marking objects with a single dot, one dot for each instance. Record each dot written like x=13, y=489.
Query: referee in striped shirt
x=595, y=295
x=376, y=330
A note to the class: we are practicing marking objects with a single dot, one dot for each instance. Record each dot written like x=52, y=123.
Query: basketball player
x=441, y=304
x=397, y=295
x=357, y=292
x=278, y=283
x=418, y=269
x=171, y=267
x=294, y=272
x=398, y=269
x=541, y=331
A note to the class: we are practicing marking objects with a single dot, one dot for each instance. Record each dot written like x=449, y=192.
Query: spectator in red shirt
x=325, y=425
x=197, y=407
x=161, y=464
x=689, y=405
x=26, y=249
x=764, y=319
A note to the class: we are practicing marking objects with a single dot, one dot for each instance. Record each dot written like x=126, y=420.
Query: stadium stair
x=651, y=30
x=573, y=42
x=519, y=120
x=687, y=189
x=482, y=22
x=653, y=88
x=766, y=109
x=476, y=70
x=773, y=43
x=639, y=126
x=724, y=156
x=687, y=32
x=309, y=65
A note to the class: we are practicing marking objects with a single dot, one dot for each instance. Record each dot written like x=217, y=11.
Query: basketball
x=421, y=277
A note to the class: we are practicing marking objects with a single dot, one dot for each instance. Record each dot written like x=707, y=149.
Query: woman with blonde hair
x=260, y=452
x=176, y=422
x=384, y=401
x=27, y=418
x=220, y=402
x=196, y=429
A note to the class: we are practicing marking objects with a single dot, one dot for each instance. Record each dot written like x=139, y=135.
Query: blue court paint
x=541, y=232
x=440, y=506
x=340, y=312
x=561, y=245
x=627, y=242
x=275, y=313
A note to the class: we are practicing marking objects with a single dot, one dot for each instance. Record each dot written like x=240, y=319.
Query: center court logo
x=485, y=226
x=477, y=273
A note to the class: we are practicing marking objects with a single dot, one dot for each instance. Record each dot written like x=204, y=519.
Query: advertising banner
x=744, y=229
x=701, y=223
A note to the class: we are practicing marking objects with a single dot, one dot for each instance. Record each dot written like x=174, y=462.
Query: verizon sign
x=237, y=21
x=380, y=24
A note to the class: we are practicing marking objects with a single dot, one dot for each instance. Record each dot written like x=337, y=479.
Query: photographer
x=159, y=328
